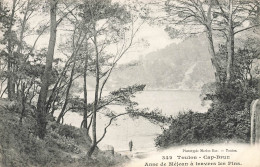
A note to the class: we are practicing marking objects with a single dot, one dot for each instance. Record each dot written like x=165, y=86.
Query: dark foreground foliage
x=63, y=145
x=228, y=119
x=211, y=127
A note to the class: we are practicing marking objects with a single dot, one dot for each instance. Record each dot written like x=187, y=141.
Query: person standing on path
x=130, y=145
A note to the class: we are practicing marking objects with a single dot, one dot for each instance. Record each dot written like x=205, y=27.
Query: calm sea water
x=141, y=131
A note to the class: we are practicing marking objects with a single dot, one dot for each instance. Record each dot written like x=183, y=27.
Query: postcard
x=144, y=83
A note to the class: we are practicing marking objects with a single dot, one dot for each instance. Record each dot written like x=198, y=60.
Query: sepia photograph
x=129, y=83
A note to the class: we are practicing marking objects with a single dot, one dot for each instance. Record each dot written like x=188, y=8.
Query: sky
x=155, y=36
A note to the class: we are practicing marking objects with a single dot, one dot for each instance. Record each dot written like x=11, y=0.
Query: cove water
x=140, y=130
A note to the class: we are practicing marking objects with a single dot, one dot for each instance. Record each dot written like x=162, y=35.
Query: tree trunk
x=41, y=104
x=255, y=122
x=1, y=8
x=75, y=52
x=230, y=60
x=23, y=101
x=10, y=81
x=230, y=44
x=211, y=42
x=213, y=55
x=55, y=90
x=94, y=121
x=85, y=119
x=84, y=123
x=67, y=91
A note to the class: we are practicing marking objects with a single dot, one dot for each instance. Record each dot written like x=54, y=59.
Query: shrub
x=63, y=145
x=215, y=126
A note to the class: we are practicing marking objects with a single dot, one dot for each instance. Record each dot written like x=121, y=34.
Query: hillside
x=186, y=65
x=63, y=145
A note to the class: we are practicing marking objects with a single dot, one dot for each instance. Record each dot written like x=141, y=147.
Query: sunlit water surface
x=141, y=131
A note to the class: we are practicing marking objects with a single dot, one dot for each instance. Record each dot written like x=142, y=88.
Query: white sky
x=155, y=36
